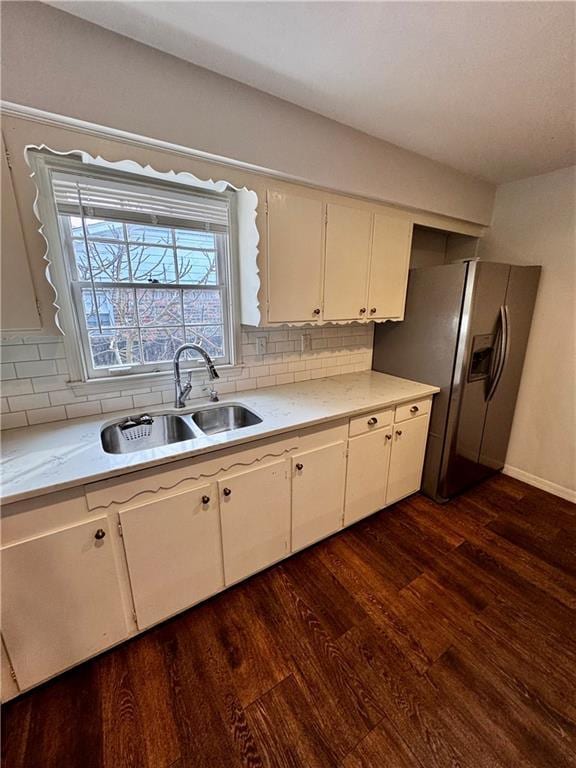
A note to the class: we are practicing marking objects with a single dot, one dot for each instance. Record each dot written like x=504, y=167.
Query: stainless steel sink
x=223, y=418
x=139, y=433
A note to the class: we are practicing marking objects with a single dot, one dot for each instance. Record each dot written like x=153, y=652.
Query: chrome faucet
x=181, y=392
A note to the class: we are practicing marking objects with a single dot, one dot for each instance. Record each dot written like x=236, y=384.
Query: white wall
x=59, y=63
x=535, y=223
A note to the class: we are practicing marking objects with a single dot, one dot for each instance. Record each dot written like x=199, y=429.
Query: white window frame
x=69, y=313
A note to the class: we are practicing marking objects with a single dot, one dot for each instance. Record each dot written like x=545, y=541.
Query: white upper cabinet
x=295, y=244
x=391, y=244
x=348, y=236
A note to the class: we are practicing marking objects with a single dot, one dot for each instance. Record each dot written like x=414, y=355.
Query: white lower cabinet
x=407, y=459
x=173, y=551
x=255, y=515
x=61, y=600
x=188, y=530
x=317, y=493
x=367, y=474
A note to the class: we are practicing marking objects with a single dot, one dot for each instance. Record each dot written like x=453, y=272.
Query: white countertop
x=64, y=454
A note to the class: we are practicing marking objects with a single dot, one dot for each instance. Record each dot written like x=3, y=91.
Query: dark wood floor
x=423, y=637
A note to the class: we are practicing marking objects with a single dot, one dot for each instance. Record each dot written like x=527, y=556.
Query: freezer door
x=520, y=300
x=479, y=359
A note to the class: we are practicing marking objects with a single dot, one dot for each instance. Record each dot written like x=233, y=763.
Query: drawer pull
x=373, y=311
x=414, y=409
x=316, y=311
x=205, y=499
x=363, y=311
x=100, y=533
x=226, y=491
x=373, y=421
x=398, y=432
x=388, y=437
x=299, y=467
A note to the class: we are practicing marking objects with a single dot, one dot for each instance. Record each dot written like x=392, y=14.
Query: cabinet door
x=407, y=459
x=295, y=227
x=367, y=474
x=61, y=600
x=390, y=260
x=348, y=232
x=317, y=493
x=173, y=551
x=255, y=515
x=19, y=309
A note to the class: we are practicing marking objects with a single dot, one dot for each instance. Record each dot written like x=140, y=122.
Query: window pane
x=115, y=347
x=210, y=337
x=152, y=264
x=157, y=306
x=197, y=267
x=108, y=230
x=202, y=307
x=146, y=233
x=159, y=344
x=109, y=262
x=191, y=238
x=115, y=306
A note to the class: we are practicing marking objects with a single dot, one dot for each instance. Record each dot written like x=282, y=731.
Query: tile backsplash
x=34, y=372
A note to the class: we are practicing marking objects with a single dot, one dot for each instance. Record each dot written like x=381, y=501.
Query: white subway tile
x=82, y=409
x=7, y=371
x=278, y=368
x=117, y=404
x=265, y=381
x=13, y=420
x=52, y=351
x=37, y=368
x=43, y=415
x=143, y=400
x=301, y=375
x=16, y=387
x=49, y=383
x=65, y=397
x=246, y=384
x=4, y=404
x=260, y=370
x=28, y=402
x=22, y=352
x=41, y=339
x=62, y=366
x=284, y=378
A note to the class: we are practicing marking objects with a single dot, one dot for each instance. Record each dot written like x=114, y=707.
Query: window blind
x=96, y=198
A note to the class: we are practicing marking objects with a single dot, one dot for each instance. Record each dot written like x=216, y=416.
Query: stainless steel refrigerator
x=465, y=330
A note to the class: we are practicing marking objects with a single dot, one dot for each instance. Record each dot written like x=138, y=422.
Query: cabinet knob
x=363, y=311
x=398, y=432
x=388, y=437
x=226, y=491
x=205, y=499
x=373, y=311
x=316, y=311
x=299, y=467
x=414, y=409
x=100, y=533
x=373, y=420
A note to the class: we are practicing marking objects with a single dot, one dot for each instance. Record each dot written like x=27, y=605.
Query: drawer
x=370, y=421
x=412, y=410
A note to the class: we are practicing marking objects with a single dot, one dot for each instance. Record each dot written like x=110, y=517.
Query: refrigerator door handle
x=503, y=351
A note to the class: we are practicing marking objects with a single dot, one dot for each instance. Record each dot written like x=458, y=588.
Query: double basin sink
x=140, y=433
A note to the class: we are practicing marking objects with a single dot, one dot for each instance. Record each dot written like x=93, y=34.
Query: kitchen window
x=148, y=268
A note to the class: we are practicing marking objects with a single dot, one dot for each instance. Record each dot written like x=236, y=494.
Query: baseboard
x=539, y=482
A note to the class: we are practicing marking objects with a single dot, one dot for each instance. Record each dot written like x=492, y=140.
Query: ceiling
x=485, y=87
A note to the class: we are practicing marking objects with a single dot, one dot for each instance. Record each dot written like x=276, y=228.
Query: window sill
x=143, y=380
